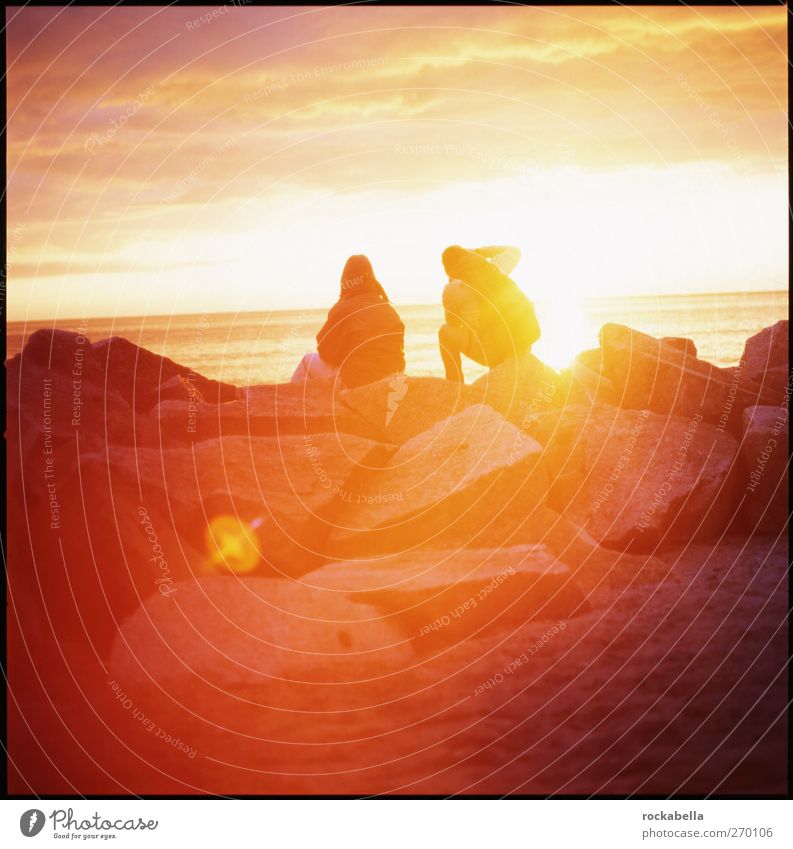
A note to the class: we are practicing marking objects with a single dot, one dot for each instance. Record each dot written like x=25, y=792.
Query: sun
x=566, y=331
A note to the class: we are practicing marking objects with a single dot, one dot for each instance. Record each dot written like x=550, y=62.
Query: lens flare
x=232, y=544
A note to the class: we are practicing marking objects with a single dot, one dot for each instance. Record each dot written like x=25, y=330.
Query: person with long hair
x=487, y=317
x=363, y=339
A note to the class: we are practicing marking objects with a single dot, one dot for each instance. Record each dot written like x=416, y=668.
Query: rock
x=680, y=345
x=107, y=530
x=592, y=359
x=766, y=360
x=63, y=414
x=84, y=553
x=178, y=388
x=637, y=481
x=520, y=388
x=116, y=365
x=669, y=379
x=446, y=723
x=777, y=385
x=60, y=351
x=285, y=491
x=441, y=597
x=580, y=384
x=136, y=374
x=460, y=608
x=79, y=558
x=268, y=410
x=452, y=482
x=401, y=407
x=273, y=636
x=765, y=462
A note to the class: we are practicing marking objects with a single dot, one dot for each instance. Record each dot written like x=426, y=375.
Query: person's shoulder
x=336, y=308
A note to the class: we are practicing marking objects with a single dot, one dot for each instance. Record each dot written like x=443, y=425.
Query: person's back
x=488, y=317
x=503, y=307
x=363, y=337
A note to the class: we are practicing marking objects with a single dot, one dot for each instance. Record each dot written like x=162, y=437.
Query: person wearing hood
x=487, y=317
x=363, y=339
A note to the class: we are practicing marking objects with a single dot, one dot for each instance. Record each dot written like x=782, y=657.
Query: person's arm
x=477, y=272
x=503, y=256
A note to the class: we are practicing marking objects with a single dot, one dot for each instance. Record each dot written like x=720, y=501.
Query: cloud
x=122, y=120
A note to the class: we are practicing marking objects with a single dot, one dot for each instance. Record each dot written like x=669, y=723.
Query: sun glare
x=565, y=331
x=231, y=544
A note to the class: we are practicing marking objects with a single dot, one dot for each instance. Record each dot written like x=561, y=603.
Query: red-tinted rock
x=253, y=633
x=681, y=345
x=635, y=480
x=440, y=597
x=181, y=387
x=765, y=462
x=580, y=384
x=136, y=374
x=62, y=414
x=268, y=410
x=520, y=387
x=60, y=351
x=668, y=379
x=766, y=360
x=448, y=485
x=285, y=490
x=401, y=407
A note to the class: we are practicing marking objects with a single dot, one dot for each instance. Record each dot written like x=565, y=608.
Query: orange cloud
x=120, y=119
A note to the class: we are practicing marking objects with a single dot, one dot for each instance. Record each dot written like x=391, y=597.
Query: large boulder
x=137, y=374
x=255, y=634
x=635, y=480
x=55, y=414
x=180, y=387
x=104, y=530
x=266, y=410
x=243, y=696
x=766, y=360
x=248, y=504
x=668, y=378
x=680, y=344
x=580, y=384
x=88, y=540
x=440, y=597
x=765, y=461
x=68, y=561
x=453, y=482
x=400, y=407
x=61, y=351
x=119, y=367
x=519, y=388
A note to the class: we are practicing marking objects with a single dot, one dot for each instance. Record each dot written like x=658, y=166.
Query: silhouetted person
x=363, y=339
x=487, y=317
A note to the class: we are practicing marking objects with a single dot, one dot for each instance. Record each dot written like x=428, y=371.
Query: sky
x=192, y=159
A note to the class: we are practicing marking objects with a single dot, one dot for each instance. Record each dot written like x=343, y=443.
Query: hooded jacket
x=364, y=337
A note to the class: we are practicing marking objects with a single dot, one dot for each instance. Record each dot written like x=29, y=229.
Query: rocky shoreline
x=545, y=582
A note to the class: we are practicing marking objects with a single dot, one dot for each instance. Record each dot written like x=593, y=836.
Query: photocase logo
x=397, y=389
x=31, y=822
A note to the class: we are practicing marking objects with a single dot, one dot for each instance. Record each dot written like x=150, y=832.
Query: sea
x=265, y=347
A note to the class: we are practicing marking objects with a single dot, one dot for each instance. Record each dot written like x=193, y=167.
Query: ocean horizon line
x=293, y=310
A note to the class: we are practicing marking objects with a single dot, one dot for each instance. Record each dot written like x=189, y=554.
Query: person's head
x=462, y=264
x=358, y=276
